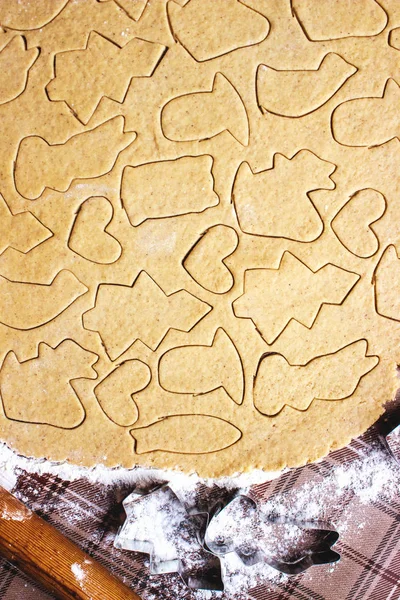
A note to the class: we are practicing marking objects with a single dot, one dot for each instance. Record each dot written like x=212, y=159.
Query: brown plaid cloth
x=90, y=514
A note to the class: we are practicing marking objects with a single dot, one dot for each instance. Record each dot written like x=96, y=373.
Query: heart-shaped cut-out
x=89, y=237
x=353, y=224
x=205, y=261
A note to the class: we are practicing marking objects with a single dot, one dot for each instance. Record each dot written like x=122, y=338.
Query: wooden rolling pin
x=47, y=556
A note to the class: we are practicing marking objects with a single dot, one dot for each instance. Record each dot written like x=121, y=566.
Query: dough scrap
x=199, y=199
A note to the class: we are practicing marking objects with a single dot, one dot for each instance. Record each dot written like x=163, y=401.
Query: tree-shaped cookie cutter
x=185, y=526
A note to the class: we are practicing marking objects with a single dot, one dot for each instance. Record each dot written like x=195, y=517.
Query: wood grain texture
x=47, y=556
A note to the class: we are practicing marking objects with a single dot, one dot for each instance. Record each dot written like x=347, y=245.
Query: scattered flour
x=10, y=461
x=278, y=525
x=78, y=572
x=239, y=578
x=15, y=513
x=372, y=476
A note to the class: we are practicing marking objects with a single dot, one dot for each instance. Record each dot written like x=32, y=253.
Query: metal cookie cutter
x=392, y=442
x=388, y=426
x=172, y=536
x=286, y=545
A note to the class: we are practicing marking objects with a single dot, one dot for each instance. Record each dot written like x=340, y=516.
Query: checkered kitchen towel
x=90, y=514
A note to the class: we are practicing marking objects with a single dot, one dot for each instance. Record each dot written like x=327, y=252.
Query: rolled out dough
x=199, y=232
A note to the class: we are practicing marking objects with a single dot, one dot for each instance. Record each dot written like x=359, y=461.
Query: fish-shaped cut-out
x=39, y=390
x=203, y=115
x=142, y=311
x=211, y=28
x=368, y=121
x=272, y=297
x=15, y=62
x=218, y=365
x=21, y=231
x=40, y=165
x=84, y=77
x=266, y=205
x=353, y=224
x=190, y=188
x=386, y=282
x=299, y=93
x=15, y=14
x=115, y=392
x=133, y=8
x=29, y=305
x=186, y=434
x=331, y=377
x=89, y=237
x=205, y=262
x=325, y=20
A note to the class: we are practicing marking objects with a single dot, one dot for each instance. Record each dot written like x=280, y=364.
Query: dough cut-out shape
x=205, y=114
x=216, y=366
x=394, y=38
x=40, y=165
x=238, y=26
x=386, y=280
x=205, y=261
x=353, y=224
x=368, y=121
x=299, y=93
x=39, y=390
x=15, y=62
x=144, y=194
x=186, y=434
x=330, y=377
x=21, y=231
x=84, y=77
x=273, y=297
x=22, y=15
x=89, y=237
x=266, y=205
x=133, y=8
x=327, y=20
x=142, y=311
x=115, y=392
x=29, y=305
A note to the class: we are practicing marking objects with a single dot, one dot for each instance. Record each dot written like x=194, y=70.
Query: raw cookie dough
x=199, y=234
